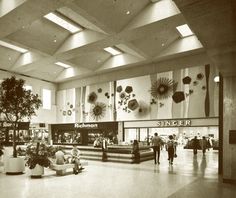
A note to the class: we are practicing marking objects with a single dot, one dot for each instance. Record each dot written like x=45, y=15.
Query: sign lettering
x=165, y=123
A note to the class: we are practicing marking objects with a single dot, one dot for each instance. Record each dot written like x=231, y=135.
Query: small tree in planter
x=17, y=103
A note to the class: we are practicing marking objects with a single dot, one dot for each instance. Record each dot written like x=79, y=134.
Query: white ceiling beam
x=7, y=6
x=154, y=12
x=80, y=39
x=181, y=45
x=70, y=73
x=26, y=13
x=25, y=59
x=119, y=61
x=87, y=19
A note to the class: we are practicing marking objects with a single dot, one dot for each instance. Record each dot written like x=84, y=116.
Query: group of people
x=171, y=146
x=203, y=144
x=73, y=158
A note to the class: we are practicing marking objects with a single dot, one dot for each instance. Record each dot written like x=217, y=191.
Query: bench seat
x=61, y=169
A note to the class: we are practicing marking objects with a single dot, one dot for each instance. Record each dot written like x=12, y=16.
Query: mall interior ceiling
x=143, y=32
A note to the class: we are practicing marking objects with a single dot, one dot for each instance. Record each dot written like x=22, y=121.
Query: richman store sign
x=85, y=125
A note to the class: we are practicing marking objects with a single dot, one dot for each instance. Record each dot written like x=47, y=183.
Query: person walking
x=171, y=149
x=156, y=144
x=204, y=144
x=195, y=144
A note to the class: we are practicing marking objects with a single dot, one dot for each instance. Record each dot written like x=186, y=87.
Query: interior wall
x=43, y=115
x=189, y=93
x=229, y=118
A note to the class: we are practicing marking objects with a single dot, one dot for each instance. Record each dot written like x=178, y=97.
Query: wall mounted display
x=183, y=93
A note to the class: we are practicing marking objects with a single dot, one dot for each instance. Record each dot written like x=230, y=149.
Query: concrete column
x=229, y=123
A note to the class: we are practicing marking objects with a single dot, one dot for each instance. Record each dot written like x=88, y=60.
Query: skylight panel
x=13, y=47
x=112, y=51
x=63, y=23
x=184, y=30
x=63, y=65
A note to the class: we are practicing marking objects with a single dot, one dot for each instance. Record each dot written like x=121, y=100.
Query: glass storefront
x=183, y=130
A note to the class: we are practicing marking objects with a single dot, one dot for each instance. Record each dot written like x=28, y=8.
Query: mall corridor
x=194, y=177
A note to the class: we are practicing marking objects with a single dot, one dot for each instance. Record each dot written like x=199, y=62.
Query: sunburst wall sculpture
x=98, y=110
x=163, y=88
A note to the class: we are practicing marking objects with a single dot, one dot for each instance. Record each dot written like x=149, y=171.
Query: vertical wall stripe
x=154, y=107
x=114, y=102
x=186, y=90
x=177, y=108
x=207, y=99
x=83, y=95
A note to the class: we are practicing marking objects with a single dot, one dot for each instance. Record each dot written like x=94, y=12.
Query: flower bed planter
x=14, y=165
x=37, y=171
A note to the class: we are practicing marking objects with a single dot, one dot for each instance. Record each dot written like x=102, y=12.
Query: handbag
x=175, y=155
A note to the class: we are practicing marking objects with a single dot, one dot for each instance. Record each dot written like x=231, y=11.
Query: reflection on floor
x=189, y=176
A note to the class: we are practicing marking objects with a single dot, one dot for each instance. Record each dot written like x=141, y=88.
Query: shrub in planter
x=40, y=154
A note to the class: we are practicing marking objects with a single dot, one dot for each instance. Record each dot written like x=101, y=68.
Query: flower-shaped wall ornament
x=122, y=95
x=133, y=104
x=92, y=97
x=163, y=88
x=98, y=110
x=200, y=76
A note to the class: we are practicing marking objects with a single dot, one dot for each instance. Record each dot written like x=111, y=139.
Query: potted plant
x=37, y=157
x=16, y=104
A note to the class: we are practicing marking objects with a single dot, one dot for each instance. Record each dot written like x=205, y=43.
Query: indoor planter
x=37, y=155
x=16, y=104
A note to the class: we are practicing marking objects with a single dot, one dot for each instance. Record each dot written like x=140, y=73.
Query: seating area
x=61, y=169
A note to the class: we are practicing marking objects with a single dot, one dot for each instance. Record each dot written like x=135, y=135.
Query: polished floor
x=190, y=177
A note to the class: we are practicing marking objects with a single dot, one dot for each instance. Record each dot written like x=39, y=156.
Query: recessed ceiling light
x=63, y=23
x=112, y=51
x=163, y=44
x=55, y=40
x=63, y=65
x=13, y=47
x=128, y=12
x=184, y=30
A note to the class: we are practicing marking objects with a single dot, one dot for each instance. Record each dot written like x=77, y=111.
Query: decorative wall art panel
x=185, y=93
x=66, y=105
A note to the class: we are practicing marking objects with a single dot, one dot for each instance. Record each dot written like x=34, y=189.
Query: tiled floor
x=191, y=177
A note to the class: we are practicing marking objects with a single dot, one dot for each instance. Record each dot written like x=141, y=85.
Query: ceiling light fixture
x=63, y=65
x=63, y=23
x=184, y=30
x=128, y=12
x=217, y=79
x=113, y=50
x=13, y=47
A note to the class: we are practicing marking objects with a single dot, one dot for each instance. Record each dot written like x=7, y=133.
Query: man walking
x=156, y=144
